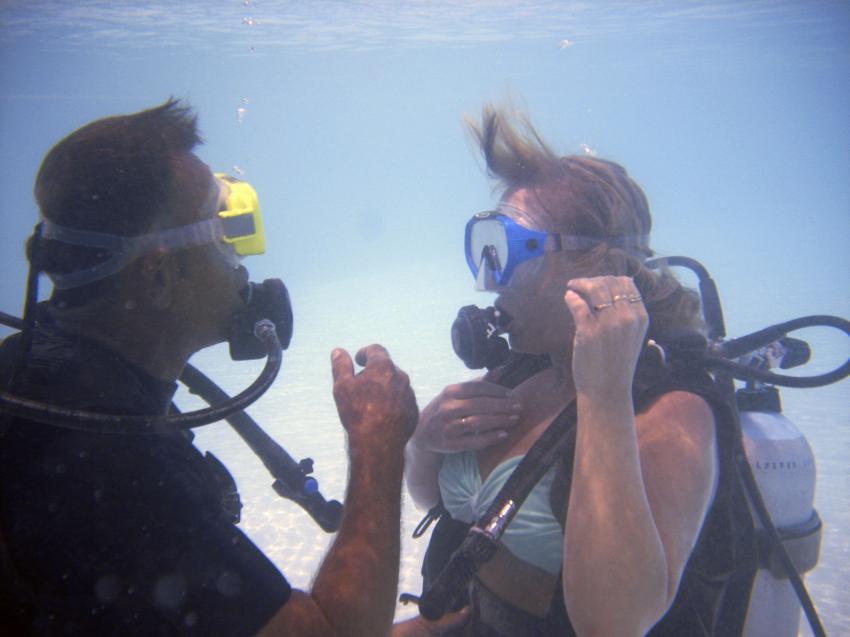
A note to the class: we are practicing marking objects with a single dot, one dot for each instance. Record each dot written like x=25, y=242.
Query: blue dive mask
x=495, y=245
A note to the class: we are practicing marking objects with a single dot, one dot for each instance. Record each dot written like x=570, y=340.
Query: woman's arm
x=640, y=490
x=641, y=485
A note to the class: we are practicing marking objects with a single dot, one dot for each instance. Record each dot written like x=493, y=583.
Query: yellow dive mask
x=237, y=231
x=242, y=221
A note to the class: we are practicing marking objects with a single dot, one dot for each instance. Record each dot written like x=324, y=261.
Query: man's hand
x=376, y=404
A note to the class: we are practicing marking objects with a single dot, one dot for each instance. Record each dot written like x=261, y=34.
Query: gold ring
x=635, y=298
x=619, y=297
x=601, y=306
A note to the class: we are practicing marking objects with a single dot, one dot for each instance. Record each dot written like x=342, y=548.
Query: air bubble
x=248, y=21
x=238, y=170
x=566, y=44
x=170, y=591
x=587, y=150
x=242, y=110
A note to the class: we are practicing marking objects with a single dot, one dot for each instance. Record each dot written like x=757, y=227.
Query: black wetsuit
x=106, y=534
x=714, y=591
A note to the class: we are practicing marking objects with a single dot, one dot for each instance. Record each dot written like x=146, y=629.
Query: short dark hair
x=114, y=175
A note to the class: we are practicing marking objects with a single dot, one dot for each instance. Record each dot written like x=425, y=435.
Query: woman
x=572, y=285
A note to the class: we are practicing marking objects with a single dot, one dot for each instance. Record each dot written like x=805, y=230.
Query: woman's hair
x=583, y=195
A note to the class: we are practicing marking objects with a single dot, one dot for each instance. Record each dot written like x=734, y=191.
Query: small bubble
x=566, y=44
x=240, y=114
x=248, y=21
x=238, y=170
x=587, y=150
x=170, y=591
x=107, y=588
x=229, y=584
x=251, y=49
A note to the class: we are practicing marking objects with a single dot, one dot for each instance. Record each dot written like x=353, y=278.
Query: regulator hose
x=719, y=356
x=292, y=479
x=123, y=424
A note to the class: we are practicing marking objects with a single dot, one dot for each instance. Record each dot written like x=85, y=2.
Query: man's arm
x=355, y=588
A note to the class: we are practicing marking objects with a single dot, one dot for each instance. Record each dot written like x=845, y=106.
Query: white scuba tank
x=784, y=467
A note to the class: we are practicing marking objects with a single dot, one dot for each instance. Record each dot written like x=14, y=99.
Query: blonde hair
x=582, y=195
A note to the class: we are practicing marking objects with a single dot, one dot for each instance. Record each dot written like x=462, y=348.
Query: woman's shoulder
x=678, y=420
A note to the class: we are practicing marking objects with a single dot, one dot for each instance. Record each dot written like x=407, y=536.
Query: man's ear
x=160, y=273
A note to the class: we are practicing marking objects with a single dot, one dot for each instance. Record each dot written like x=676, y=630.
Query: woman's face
x=540, y=323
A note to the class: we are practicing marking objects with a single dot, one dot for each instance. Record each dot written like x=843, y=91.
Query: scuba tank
x=783, y=465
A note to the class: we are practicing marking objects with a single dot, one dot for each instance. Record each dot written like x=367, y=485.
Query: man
x=126, y=534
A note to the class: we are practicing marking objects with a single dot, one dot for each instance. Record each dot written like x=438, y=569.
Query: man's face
x=211, y=283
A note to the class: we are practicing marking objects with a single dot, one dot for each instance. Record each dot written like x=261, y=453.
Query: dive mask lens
x=486, y=249
x=242, y=223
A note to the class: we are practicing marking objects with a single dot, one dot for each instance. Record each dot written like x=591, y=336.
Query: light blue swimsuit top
x=534, y=535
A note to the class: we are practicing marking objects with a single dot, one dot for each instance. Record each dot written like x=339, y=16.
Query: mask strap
x=125, y=249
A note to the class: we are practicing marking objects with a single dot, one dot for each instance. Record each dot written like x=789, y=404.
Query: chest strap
x=483, y=538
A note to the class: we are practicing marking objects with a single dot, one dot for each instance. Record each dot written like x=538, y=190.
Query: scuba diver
x=111, y=521
x=590, y=482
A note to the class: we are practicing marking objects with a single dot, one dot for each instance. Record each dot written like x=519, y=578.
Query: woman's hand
x=470, y=415
x=611, y=323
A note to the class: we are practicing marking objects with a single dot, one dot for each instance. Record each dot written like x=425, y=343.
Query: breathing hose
x=123, y=424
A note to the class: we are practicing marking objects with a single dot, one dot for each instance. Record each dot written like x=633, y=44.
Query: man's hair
x=114, y=175
x=585, y=196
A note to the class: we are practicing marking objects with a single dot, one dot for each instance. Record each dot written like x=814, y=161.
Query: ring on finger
x=602, y=306
x=630, y=298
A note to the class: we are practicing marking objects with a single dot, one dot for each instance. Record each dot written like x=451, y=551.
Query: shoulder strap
x=519, y=368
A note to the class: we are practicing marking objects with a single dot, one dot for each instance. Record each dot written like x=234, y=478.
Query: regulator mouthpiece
x=267, y=300
x=476, y=337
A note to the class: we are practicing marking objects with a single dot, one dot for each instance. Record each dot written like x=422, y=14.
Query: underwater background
x=347, y=117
